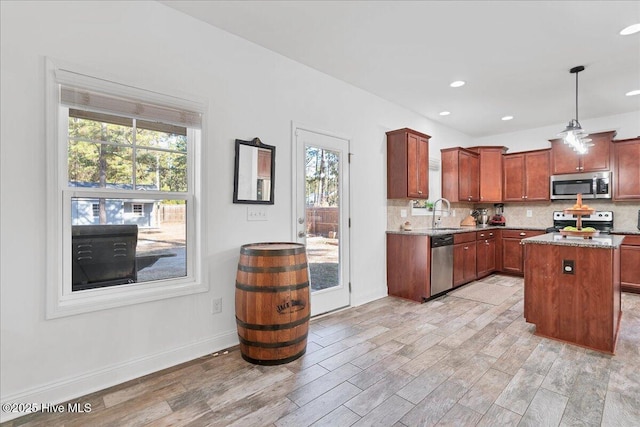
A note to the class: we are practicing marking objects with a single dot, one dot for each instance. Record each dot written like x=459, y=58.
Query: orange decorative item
x=579, y=210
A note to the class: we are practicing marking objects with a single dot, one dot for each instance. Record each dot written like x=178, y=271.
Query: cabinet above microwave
x=594, y=185
x=564, y=160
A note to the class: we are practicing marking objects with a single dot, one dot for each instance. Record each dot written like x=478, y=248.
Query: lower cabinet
x=630, y=264
x=464, y=258
x=485, y=253
x=408, y=266
x=513, y=251
x=580, y=307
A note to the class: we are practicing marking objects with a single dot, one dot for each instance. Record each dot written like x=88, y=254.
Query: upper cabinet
x=565, y=160
x=490, y=173
x=626, y=160
x=526, y=176
x=407, y=164
x=460, y=175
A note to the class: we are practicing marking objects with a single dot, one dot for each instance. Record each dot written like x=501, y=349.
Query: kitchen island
x=572, y=288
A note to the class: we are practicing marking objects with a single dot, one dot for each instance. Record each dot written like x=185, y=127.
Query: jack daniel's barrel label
x=290, y=306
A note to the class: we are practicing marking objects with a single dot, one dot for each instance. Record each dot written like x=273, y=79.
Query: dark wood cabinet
x=626, y=171
x=408, y=266
x=526, y=176
x=464, y=258
x=407, y=164
x=565, y=160
x=485, y=253
x=581, y=307
x=460, y=175
x=512, y=250
x=630, y=264
x=490, y=173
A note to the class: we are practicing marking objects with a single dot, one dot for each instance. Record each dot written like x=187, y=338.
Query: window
x=125, y=189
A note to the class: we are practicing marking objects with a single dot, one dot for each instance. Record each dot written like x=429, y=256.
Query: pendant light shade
x=573, y=134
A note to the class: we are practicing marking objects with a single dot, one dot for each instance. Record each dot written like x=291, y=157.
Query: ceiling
x=514, y=55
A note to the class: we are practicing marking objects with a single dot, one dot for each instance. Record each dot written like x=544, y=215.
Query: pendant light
x=573, y=134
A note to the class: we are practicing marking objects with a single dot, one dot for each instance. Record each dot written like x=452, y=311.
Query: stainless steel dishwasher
x=441, y=263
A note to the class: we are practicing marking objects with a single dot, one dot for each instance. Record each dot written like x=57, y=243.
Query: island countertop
x=602, y=241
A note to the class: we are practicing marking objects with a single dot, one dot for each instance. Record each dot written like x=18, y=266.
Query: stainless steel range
x=600, y=220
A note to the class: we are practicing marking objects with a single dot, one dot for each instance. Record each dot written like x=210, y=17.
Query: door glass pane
x=322, y=207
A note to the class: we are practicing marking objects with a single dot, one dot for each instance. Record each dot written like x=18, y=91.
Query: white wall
x=252, y=92
x=627, y=126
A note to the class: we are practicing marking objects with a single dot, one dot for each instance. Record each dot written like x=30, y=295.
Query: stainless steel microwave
x=593, y=185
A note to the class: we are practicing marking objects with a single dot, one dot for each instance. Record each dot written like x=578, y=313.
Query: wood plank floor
x=465, y=359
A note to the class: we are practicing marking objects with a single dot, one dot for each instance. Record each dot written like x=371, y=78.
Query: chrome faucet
x=441, y=200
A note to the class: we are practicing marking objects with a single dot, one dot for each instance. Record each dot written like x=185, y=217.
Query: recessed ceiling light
x=505, y=118
x=633, y=92
x=631, y=29
x=457, y=83
x=445, y=113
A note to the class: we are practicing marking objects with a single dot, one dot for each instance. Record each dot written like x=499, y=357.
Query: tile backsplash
x=625, y=214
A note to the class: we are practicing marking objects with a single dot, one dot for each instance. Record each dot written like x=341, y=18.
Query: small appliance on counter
x=482, y=218
x=498, y=218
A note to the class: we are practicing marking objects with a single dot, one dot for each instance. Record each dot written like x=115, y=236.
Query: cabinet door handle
x=490, y=234
x=419, y=191
x=577, y=168
x=523, y=234
x=486, y=242
x=466, y=247
x=482, y=235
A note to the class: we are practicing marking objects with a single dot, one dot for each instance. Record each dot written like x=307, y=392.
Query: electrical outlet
x=403, y=213
x=453, y=212
x=529, y=213
x=216, y=305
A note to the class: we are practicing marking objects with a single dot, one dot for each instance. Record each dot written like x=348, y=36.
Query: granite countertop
x=627, y=231
x=603, y=241
x=455, y=230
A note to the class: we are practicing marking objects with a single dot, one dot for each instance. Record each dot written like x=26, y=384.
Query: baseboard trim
x=365, y=299
x=73, y=387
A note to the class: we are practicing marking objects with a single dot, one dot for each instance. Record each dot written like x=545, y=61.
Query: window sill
x=125, y=295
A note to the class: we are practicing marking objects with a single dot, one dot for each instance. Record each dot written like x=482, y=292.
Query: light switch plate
x=403, y=213
x=529, y=213
x=257, y=213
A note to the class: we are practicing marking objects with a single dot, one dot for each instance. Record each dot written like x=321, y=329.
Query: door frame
x=294, y=180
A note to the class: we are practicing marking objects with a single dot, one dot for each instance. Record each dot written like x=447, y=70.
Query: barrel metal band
x=281, y=269
x=272, y=289
x=272, y=344
x=273, y=361
x=271, y=252
x=277, y=327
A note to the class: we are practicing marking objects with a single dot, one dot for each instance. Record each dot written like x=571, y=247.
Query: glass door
x=322, y=219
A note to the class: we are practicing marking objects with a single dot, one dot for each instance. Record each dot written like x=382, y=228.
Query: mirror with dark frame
x=254, y=172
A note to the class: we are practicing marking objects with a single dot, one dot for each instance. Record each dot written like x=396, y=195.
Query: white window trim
x=60, y=301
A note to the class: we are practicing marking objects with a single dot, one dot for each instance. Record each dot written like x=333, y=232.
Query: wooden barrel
x=272, y=302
